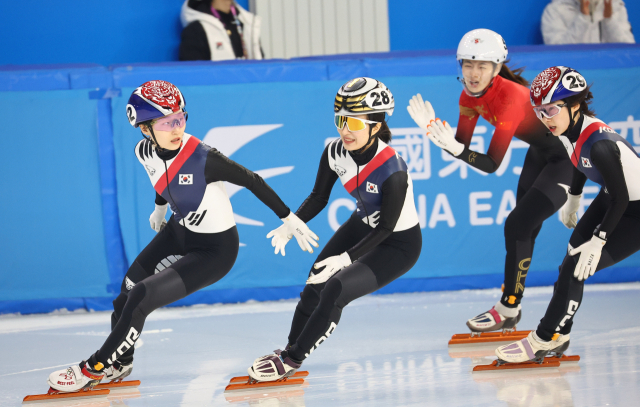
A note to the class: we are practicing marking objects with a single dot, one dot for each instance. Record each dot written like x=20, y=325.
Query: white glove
x=590, y=253
x=294, y=227
x=280, y=238
x=331, y=266
x=569, y=211
x=157, y=219
x=442, y=135
x=421, y=112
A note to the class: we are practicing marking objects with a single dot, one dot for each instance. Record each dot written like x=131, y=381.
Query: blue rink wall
x=76, y=202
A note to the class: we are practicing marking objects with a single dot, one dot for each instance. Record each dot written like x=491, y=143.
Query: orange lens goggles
x=353, y=123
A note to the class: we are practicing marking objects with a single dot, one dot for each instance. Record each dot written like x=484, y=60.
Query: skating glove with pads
x=157, y=219
x=421, y=112
x=590, y=253
x=569, y=211
x=293, y=227
x=442, y=135
x=331, y=266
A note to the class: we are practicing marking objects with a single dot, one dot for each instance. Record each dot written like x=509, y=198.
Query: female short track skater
x=188, y=175
x=379, y=243
x=609, y=231
x=500, y=96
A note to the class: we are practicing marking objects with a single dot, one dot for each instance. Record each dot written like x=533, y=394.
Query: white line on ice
x=42, y=368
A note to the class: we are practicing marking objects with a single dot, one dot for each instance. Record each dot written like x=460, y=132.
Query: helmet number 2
x=377, y=96
x=574, y=82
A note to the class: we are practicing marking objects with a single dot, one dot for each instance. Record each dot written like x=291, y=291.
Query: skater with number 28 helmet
x=500, y=96
x=609, y=230
x=379, y=243
x=188, y=175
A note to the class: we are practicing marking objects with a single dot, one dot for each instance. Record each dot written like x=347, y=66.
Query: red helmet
x=556, y=83
x=152, y=100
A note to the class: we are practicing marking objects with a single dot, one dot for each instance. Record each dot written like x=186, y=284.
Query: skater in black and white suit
x=609, y=231
x=379, y=243
x=189, y=176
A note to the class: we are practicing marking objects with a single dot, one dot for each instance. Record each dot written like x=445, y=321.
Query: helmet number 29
x=574, y=82
x=377, y=97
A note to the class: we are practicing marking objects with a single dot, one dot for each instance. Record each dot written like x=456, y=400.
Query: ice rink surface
x=388, y=350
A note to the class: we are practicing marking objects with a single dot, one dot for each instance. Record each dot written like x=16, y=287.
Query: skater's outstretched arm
x=319, y=197
x=221, y=168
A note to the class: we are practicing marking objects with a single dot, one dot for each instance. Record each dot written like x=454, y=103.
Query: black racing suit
x=206, y=257
x=600, y=154
x=379, y=254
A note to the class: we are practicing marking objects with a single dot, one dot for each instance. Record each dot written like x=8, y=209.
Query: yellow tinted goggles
x=353, y=123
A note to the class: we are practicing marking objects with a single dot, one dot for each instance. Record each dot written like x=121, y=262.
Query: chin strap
x=154, y=141
x=361, y=149
x=571, y=121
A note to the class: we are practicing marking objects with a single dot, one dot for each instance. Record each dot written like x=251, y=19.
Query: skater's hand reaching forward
x=569, y=211
x=293, y=227
x=331, y=266
x=590, y=253
x=442, y=135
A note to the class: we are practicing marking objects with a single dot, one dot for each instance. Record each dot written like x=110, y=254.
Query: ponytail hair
x=514, y=75
x=384, y=133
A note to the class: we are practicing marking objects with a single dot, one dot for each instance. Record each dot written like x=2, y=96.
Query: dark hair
x=514, y=75
x=583, y=99
x=384, y=133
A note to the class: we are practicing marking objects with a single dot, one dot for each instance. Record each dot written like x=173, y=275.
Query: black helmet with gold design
x=363, y=96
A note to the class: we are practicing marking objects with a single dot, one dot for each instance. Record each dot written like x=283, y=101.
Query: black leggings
x=539, y=196
x=320, y=307
x=623, y=241
x=206, y=259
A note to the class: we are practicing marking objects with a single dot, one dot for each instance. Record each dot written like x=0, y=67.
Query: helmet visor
x=548, y=111
x=353, y=123
x=167, y=123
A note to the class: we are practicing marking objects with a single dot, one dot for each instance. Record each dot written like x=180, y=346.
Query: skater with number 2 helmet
x=188, y=175
x=500, y=96
x=379, y=243
x=609, y=230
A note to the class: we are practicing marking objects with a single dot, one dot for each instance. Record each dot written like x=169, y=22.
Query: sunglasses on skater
x=353, y=123
x=548, y=111
x=167, y=123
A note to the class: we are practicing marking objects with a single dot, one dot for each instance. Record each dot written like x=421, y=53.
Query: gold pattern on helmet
x=363, y=95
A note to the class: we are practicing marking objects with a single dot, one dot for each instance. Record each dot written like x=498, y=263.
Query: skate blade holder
x=475, y=338
x=549, y=364
x=244, y=383
x=101, y=393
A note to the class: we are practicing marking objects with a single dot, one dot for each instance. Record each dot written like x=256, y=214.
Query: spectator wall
x=76, y=201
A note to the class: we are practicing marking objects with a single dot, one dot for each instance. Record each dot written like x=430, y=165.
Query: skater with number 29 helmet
x=609, y=230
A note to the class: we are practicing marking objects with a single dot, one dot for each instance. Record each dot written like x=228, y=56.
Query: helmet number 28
x=574, y=82
x=379, y=99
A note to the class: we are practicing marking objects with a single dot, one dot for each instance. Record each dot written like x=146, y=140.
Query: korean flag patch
x=585, y=162
x=185, y=179
x=373, y=188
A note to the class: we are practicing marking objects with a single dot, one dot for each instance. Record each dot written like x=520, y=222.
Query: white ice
x=388, y=350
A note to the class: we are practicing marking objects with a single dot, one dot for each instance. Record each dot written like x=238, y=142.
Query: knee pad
x=331, y=293
x=134, y=299
x=118, y=306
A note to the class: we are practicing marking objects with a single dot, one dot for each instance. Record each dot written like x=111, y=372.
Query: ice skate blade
x=548, y=362
x=487, y=337
x=245, y=379
x=118, y=385
x=43, y=398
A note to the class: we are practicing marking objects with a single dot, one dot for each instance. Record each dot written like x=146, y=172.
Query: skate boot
x=276, y=366
x=497, y=318
x=118, y=371
x=75, y=378
x=532, y=348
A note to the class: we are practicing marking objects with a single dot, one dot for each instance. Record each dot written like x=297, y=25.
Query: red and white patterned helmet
x=152, y=100
x=556, y=83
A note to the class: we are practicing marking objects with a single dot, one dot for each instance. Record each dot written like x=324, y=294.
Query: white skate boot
x=74, y=378
x=272, y=367
x=116, y=372
x=497, y=318
x=532, y=348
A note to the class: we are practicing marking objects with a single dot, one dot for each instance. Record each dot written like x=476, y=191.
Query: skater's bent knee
x=332, y=291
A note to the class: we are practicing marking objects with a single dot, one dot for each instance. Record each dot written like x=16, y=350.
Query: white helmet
x=482, y=45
